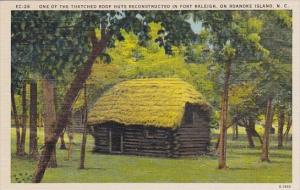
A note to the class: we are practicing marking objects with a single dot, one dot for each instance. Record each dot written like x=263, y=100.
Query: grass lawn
x=244, y=166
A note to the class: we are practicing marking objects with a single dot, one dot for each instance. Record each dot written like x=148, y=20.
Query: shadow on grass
x=280, y=155
x=283, y=148
x=238, y=169
x=250, y=153
x=25, y=158
x=276, y=161
x=88, y=168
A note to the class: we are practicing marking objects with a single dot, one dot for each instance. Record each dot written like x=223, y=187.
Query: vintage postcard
x=150, y=94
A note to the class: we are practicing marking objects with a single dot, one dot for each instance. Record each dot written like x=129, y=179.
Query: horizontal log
x=143, y=134
x=100, y=128
x=146, y=141
x=155, y=154
x=139, y=153
x=191, y=132
x=101, y=137
x=195, y=125
x=184, y=150
x=193, y=146
x=193, y=142
x=144, y=137
x=102, y=143
x=186, y=130
x=194, y=137
x=101, y=149
x=148, y=148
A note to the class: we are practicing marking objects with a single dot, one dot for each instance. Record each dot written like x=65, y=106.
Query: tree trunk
x=17, y=123
x=70, y=146
x=217, y=143
x=62, y=141
x=84, y=134
x=249, y=137
x=252, y=131
x=234, y=131
x=49, y=116
x=223, y=119
x=64, y=114
x=280, y=126
x=33, y=149
x=288, y=127
x=70, y=137
x=255, y=133
x=24, y=120
x=268, y=124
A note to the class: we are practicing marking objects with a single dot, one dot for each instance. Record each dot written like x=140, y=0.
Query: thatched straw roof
x=158, y=102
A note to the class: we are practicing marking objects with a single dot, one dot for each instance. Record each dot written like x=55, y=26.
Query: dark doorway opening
x=116, y=140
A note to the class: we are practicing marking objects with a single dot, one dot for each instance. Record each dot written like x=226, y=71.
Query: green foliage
x=51, y=42
x=130, y=60
x=22, y=177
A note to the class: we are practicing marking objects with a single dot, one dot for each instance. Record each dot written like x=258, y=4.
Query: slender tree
x=33, y=147
x=24, y=120
x=49, y=116
x=229, y=52
x=288, y=127
x=268, y=125
x=62, y=141
x=84, y=134
x=281, y=121
x=17, y=123
x=235, y=41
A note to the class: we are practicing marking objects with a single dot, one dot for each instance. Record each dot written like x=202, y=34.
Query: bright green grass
x=244, y=166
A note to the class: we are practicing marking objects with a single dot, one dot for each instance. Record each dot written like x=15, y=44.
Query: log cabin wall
x=193, y=137
x=101, y=136
x=136, y=140
x=147, y=141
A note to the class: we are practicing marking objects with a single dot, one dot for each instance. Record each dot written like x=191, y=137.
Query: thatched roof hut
x=161, y=105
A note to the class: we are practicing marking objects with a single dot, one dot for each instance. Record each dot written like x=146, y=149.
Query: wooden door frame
x=110, y=141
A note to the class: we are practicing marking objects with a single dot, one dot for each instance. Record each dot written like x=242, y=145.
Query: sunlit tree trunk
x=33, y=149
x=17, y=123
x=255, y=133
x=24, y=120
x=288, y=127
x=49, y=116
x=223, y=119
x=70, y=97
x=84, y=134
x=280, y=126
x=234, y=126
x=268, y=125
